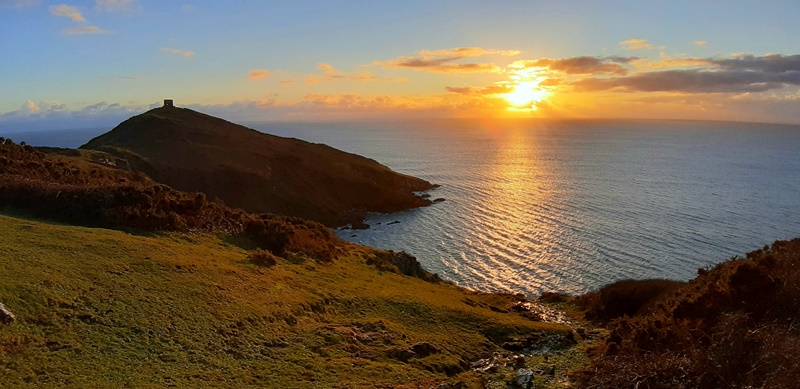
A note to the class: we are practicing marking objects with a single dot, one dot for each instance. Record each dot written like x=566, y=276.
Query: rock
x=402, y=355
x=523, y=380
x=438, y=200
x=486, y=366
x=496, y=309
x=519, y=361
x=513, y=346
x=403, y=263
x=550, y=297
x=394, y=222
x=424, y=349
x=419, y=350
x=6, y=317
x=359, y=225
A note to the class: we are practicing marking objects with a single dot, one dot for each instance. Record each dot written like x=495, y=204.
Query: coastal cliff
x=258, y=172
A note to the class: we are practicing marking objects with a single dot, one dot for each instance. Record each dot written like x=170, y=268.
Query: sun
x=526, y=94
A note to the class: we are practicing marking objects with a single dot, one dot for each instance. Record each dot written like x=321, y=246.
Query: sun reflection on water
x=509, y=228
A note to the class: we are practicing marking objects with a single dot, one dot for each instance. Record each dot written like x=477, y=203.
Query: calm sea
x=534, y=206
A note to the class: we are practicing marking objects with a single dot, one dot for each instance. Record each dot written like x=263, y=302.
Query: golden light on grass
x=526, y=94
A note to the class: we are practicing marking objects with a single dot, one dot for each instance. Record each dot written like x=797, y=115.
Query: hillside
x=247, y=169
x=103, y=308
x=734, y=326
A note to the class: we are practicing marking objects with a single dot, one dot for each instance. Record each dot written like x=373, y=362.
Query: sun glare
x=526, y=94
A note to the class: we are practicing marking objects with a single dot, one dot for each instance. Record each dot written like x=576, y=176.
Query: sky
x=78, y=64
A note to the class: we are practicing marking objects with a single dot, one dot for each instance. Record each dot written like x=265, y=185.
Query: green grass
x=103, y=308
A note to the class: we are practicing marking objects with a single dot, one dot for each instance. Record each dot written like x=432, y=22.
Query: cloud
x=482, y=91
x=679, y=63
x=67, y=11
x=18, y=3
x=770, y=63
x=182, y=53
x=31, y=107
x=257, y=74
x=113, y=5
x=85, y=30
x=699, y=43
x=578, y=65
x=739, y=74
x=693, y=81
x=636, y=44
x=54, y=115
x=464, y=52
x=331, y=74
x=443, y=61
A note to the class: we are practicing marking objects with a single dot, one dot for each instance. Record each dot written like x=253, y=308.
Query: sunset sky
x=93, y=63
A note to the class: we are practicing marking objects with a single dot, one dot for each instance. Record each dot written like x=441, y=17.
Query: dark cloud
x=744, y=73
x=580, y=65
x=770, y=63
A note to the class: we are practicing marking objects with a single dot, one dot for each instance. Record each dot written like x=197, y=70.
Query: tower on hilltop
x=168, y=103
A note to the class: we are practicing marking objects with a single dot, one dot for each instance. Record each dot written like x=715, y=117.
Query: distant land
x=258, y=172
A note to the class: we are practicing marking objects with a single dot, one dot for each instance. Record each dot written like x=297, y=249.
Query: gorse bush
x=734, y=326
x=625, y=298
x=79, y=191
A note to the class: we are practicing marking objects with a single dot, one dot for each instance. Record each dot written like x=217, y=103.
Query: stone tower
x=168, y=103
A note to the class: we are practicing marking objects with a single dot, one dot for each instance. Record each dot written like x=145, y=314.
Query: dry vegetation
x=734, y=326
x=79, y=190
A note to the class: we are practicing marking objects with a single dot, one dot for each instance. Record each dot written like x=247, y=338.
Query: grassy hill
x=247, y=169
x=105, y=308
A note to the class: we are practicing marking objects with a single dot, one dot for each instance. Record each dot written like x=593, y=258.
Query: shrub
x=735, y=325
x=625, y=298
x=77, y=191
x=262, y=258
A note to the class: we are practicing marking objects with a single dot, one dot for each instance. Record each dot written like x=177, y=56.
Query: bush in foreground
x=734, y=326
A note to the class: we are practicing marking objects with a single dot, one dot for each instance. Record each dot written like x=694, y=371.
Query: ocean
x=536, y=206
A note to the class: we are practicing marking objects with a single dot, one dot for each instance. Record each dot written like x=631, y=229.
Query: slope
x=191, y=151
x=103, y=308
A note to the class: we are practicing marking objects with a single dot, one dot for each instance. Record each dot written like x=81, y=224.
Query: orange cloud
x=179, y=52
x=680, y=62
x=443, y=61
x=331, y=74
x=67, y=11
x=636, y=44
x=32, y=107
x=257, y=74
x=700, y=42
x=578, y=65
x=484, y=91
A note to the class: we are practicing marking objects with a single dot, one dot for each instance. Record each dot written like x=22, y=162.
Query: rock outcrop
x=6, y=317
